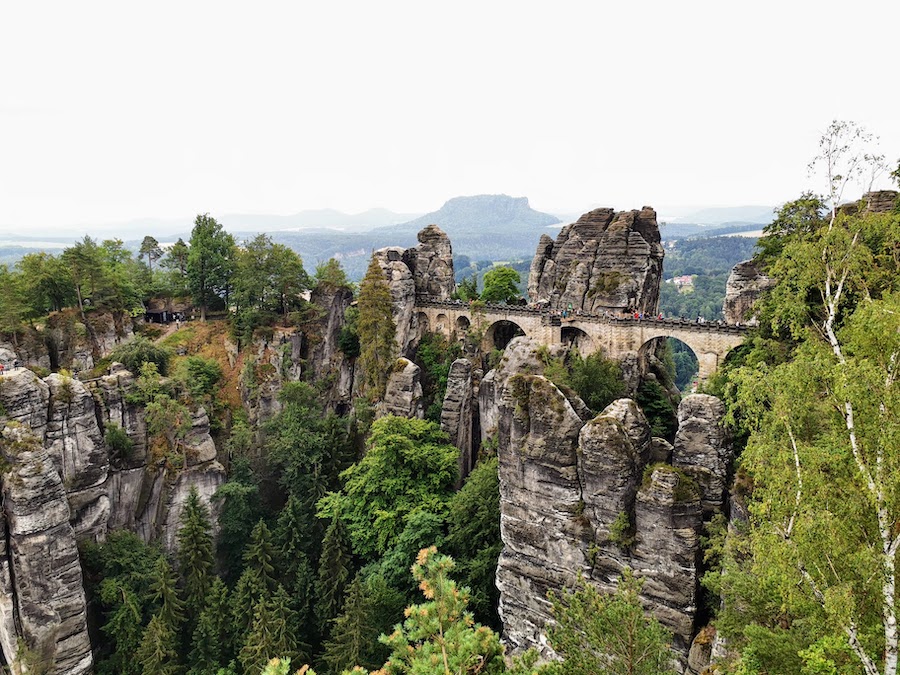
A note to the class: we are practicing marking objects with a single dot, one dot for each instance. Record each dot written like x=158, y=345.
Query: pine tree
x=156, y=654
x=376, y=330
x=195, y=553
x=440, y=636
x=248, y=593
x=297, y=572
x=212, y=637
x=165, y=597
x=125, y=629
x=272, y=633
x=334, y=572
x=597, y=633
x=353, y=634
x=260, y=555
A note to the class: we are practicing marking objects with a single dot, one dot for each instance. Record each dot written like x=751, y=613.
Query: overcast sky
x=118, y=110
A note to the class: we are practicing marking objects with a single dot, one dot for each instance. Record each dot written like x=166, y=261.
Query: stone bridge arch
x=577, y=337
x=500, y=333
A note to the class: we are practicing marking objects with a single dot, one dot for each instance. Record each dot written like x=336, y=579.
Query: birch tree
x=823, y=454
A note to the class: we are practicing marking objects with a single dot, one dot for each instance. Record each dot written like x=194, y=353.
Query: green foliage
x=163, y=595
x=334, y=572
x=238, y=513
x=440, y=635
x=118, y=441
x=212, y=636
x=597, y=380
x=658, y=409
x=621, y=531
x=331, y=274
x=501, y=284
x=268, y=282
x=272, y=632
x=409, y=466
x=376, y=330
x=354, y=633
x=201, y=376
x=138, y=351
x=195, y=553
x=157, y=653
x=473, y=538
x=435, y=355
x=210, y=262
x=467, y=289
x=597, y=633
x=348, y=340
x=118, y=576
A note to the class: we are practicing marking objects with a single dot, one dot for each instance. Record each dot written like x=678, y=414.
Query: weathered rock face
x=77, y=344
x=604, y=261
x=744, y=287
x=423, y=269
x=431, y=263
x=703, y=448
x=576, y=497
x=459, y=414
x=326, y=361
x=403, y=396
x=403, y=295
x=881, y=201
x=43, y=599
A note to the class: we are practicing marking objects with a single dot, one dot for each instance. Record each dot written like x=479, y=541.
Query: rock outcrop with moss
x=42, y=601
x=604, y=261
x=64, y=480
x=424, y=269
x=745, y=285
x=584, y=497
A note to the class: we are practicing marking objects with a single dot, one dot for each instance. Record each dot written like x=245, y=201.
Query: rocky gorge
x=583, y=495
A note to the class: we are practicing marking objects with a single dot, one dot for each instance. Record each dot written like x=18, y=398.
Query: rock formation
x=604, y=261
x=745, y=285
x=424, y=269
x=703, y=448
x=65, y=484
x=42, y=600
x=431, y=263
x=584, y=497
x=881, y=201
x=459, y=412
x=326, y=362
x=403, y=396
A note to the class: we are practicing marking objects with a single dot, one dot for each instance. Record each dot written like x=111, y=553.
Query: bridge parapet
x=554, y=318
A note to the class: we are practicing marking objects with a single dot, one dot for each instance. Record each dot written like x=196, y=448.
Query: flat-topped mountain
x=469, y=215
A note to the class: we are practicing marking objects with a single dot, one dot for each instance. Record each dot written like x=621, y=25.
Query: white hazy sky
x=118, y=110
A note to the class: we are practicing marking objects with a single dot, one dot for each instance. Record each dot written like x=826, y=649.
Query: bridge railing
x=555, y=317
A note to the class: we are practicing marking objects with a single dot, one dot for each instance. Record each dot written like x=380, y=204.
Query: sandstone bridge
x=617, y=337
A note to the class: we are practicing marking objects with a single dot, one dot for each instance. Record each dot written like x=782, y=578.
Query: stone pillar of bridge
x=708, y=364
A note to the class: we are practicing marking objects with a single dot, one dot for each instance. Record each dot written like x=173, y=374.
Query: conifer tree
x=195, y=553
x=376, y=330
x=212, y=637
x=156, y=654
x=125, y=629
x=334, y=572
x=257, y=582
x=353, y=634
x=272, y=632
x=440, y=636
x=597, y=633
x=260, y=555
x=164, y=595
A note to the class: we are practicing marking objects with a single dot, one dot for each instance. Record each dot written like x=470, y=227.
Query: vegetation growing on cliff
x=810, y=585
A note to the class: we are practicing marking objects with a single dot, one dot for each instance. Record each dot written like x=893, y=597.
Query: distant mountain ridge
x=472, y=214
